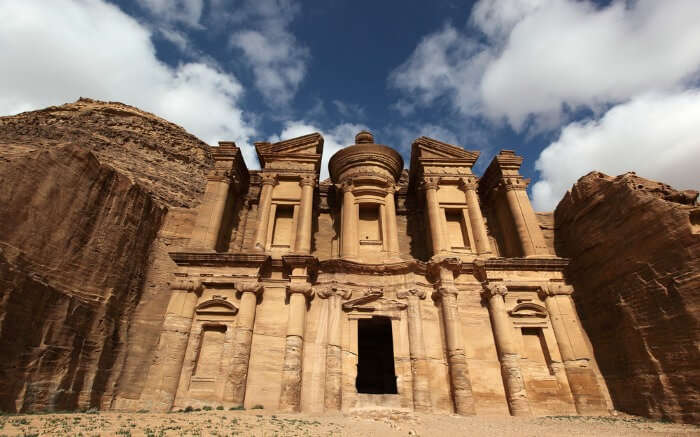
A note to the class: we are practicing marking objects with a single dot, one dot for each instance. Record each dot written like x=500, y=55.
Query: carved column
x=348, y=238
x=430, y=185
x=516, y=394
x=243, y=339
x=170, y=353
x=268, y=183
x=476, y=219
x=583, y=381
x=334, y=358
x=303, y=237
x=210, y=213
x=419, y=362
x=391, y=226
x=290, y=397
x=456, y=358
x=524, y=218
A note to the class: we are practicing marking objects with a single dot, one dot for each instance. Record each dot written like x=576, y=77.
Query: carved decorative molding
x=254, y=287
x=301, y=288
x=269, y=179
x=495, y=289
x=333, y=290
x=186, y=284
x=374, y=300
x=208, y=306
x=404, y=294
x=528, y=309
x=346, y=266
x=307, y=180
x=528, y=264
x=555, y=289
x=219, y=259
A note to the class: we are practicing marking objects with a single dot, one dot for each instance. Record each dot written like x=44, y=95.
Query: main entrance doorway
x=375, y=366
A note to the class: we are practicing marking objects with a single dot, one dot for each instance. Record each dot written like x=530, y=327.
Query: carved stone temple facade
x=426, y=289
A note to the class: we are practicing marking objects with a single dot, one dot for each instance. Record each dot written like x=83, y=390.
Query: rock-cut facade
x=426, y=289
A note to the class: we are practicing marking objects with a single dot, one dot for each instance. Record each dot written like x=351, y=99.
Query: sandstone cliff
x=634, y=246
x=85, y=190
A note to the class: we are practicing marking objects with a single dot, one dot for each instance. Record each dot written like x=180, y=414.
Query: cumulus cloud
x=540, y=58
x=277, y=59
x=655, y=135
x=57, y=51
x=535, y=63
x=334, y=139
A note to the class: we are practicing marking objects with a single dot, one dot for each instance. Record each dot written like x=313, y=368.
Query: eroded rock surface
x=634, y=246
x=85, y=194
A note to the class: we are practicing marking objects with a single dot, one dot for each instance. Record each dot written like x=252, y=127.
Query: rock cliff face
x=634, y=246
x=85, y=194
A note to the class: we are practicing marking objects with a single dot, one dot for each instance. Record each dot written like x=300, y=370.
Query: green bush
x=220, y=407
x=237, y=408
x=206, y=408
x=257, y=407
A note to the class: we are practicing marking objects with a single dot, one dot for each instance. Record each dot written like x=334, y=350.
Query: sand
x=382, y=423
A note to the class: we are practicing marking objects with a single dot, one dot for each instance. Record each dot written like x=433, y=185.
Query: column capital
x=404, y=294
x=301, y=288
x=513, y=183
x=307, y=180
x=468, y=183
x=254, y=287
x=346, y=186
x=186, y=284
x=269, y=179
x=430, y=183
x=554, y=289
x=495, y=289
x=444, y=291
x=326, y=292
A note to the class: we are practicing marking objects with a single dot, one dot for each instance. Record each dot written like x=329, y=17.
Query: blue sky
x=573, y=86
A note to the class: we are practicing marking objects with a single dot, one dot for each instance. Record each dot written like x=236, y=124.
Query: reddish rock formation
x=85, y=190
x=634, y=246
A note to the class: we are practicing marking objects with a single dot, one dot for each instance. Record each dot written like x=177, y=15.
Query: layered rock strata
x=634, y=246
x=85, y=192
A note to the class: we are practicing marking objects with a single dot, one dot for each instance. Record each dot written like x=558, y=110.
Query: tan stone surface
x=258, y=295
x=83, y=205
x=635, y=249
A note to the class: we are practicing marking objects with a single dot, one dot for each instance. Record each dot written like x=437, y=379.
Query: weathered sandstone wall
x=85, y=190
x=634, y=246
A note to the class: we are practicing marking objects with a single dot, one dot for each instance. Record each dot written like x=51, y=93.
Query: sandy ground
x=366, y=423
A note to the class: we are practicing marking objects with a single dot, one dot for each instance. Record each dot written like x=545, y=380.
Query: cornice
x=218, y=259
x=346, y=266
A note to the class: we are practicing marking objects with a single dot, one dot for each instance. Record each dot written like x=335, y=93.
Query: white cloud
x=349, y=110
x=334, y=139
x=57, y=51
x=655, y=135
x=277, y=59
x=187, y=12
x=541, y=56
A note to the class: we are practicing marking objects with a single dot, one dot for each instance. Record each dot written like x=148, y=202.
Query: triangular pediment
x=307, y=148
x=429, y=148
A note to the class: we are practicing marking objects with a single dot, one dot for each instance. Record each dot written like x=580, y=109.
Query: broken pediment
x=305, y=151
x=528, y=309
x=374, y=301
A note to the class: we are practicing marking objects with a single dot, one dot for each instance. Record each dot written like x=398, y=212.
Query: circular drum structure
x=366, y=161
x=365, y=175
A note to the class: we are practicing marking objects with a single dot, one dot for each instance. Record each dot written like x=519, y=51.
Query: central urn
x=365, y=175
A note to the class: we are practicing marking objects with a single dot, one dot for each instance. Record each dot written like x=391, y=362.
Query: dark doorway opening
x=375, y=364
